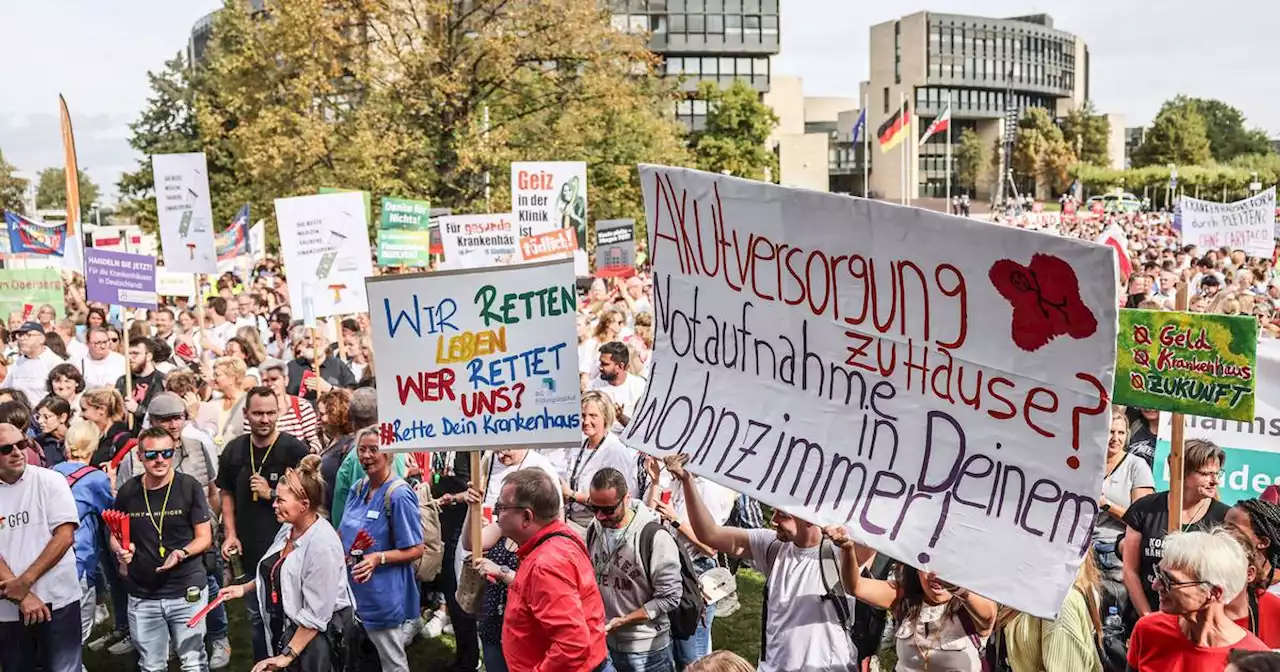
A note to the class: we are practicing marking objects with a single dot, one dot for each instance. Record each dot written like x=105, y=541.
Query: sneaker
x=122, y=646
x=108, y=639
x=219, y=653
x=434, y=625
x=100, y=615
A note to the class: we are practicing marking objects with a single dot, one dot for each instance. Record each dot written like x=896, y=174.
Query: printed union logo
x=549, y=384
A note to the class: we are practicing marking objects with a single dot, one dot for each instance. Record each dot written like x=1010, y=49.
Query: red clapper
x=213, y=604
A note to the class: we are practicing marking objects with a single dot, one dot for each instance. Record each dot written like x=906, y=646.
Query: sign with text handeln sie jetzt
x=477, y=359
x=936, y=384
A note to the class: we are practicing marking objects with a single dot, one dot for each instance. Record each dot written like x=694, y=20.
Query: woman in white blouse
x=600, y=448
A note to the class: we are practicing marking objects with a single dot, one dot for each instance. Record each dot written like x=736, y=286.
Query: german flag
x=894, y=129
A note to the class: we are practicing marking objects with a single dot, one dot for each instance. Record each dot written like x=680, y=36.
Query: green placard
x=1191, y=363
x=36, y=286
x=404, y=236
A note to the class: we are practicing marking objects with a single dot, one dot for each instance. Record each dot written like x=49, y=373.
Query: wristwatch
x=289, y=653
x=1107, y=507
x=675, y=524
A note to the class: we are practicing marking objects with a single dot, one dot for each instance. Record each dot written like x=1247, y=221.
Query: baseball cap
x=166, y=405
x=29, y=326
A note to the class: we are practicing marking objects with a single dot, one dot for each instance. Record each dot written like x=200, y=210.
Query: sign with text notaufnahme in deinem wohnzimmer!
x=941, y=391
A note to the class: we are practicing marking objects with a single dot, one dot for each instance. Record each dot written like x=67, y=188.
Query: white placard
x=258, y=240
x=325, y=244
x=175, y=284
x=937, y=384
x=549, y=195
x=479, y=241
x=477, y=359
x=183, y=209
x=1247, y=225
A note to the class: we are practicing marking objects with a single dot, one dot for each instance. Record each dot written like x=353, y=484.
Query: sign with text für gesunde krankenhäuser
x=939, y=386
x=1193, y=363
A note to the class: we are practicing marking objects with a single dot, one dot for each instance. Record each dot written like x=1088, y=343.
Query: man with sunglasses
x=163, y=566
x=40, y=609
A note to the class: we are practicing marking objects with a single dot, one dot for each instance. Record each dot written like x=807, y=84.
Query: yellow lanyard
x=258, y=471
x=164, y=507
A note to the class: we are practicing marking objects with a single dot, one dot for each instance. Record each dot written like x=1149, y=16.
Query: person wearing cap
x=31, y=368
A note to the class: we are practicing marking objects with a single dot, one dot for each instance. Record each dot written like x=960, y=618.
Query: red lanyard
x=275, y=577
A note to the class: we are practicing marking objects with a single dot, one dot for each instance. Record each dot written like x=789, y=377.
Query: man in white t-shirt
x=40, y=612
x=801, y=630
x=222, y=329
x=31, y=370
x=104, y=366
x=503, y=463
x=614, y=382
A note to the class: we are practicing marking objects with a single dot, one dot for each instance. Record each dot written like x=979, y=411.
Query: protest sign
x=1193, y=363
x=615, y=248
x=119, y=278
x=549, y=195
x=477, y=241
x=1247, y=225
x=184, y=211
x=258, y=240
x=175, y=284
x=937, y=384
x=558, y=244
x=34, y=286
x=501, y=351
x=1252, y=446
x=325, y=244
x=29, y=236
x=404, y=236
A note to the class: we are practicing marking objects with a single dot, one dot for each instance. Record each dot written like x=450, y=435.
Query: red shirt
x=1158, y=645
x=1268, y=619
x=554, y=618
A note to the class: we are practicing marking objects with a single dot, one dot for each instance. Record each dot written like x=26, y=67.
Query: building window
x=733, y=25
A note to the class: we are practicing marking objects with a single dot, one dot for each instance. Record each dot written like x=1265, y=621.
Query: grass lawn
x=739, y=633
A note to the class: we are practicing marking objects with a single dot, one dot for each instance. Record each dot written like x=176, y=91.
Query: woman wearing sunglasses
x=1200, y=573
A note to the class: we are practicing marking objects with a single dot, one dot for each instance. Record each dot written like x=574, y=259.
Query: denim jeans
x=646, y=661
x=494, y=660
x=43, y=646
x=685, y=651
x=153, y=623
x=257, y=631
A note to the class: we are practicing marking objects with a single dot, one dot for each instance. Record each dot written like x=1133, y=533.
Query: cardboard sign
x=1247, y=225
x=479, y=241
x=120, y=279
x=31, y=286
x=936, y=384
x=615, y=248
x=1192, y=363
x=325, y=244
x=184, y=212
x=480, y=358
x=549, y=195
x=404, y=238
x=558, y=244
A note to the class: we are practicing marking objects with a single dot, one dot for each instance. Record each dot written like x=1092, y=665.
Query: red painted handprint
x=1045, y=296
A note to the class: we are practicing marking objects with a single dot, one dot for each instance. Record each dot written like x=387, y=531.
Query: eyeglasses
x=499, y=507
x=150, y=455
x=1166, y=582
x=1218, y=475
x=607, y=509
x=10, y=447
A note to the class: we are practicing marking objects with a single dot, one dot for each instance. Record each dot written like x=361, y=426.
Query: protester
x=104, y=366
x=1255, y=609
x=308, y=381
x=721, y=661
x=33, y=364
x=450, y=475
x=104, y=407
x=555, y=615
x=608, y=329
x=1127, y=479
x=220, y=329
x=622, y=388
x=1069, y=642
x=222, y=417
x=600, y=449
x=146, y=383
x=40, y=612
x=297, y=416
x=76, y=349
x=53, y=414
x=239, y=348
x=385, y=508
x=66, y=381
x=363, y=413
x=338, y=432
x=1259, y=521
x=91, y=488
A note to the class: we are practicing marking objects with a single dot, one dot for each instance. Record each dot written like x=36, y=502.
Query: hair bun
x=309, y=465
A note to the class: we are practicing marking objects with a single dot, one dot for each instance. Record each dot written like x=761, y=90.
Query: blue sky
x=97, y=54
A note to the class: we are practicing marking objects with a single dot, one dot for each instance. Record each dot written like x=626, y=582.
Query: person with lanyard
x=1127, y=480
x=91, y=488
x=300, y=583
x=248, y=471
x=384, y=508
x=163, y=565
x=1147, y=523
x=600, y=449
x=450, y=477
x=222, y=417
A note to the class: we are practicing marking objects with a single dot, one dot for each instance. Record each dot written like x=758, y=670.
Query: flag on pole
x=73, y=251
x=28, y=236
x=235, y=240
x=860, y=126
x=894, y=129
x=1114, y=238
x=939, y=125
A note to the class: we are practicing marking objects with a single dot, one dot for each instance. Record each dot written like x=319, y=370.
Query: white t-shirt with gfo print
x=30, y=510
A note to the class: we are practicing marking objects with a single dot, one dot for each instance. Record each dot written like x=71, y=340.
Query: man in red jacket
x=554, y=617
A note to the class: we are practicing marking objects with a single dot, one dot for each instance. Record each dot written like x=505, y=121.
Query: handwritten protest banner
x=938, y=385
x=481, y=358
x=615, y=248
x=325, y=243
x=185, y=213
x=477, y=241
x=30, y=286
x=404, y=238
x=1252, y=446
x=549, y=195
x=120, y=278
x=1192, y=363
x=1247, y=225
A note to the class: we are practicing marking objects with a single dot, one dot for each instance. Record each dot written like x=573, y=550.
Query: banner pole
x=1176, y=442
x=477, y=512
x=949, y=154
x=866, y=147
x=199, y=318
x=902, y=174
x=128, y=366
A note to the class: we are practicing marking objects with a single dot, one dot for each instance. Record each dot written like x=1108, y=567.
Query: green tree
x=1224, y=126
x=1040, y=154
x=51, y=191
x=12, y=187
x=1178, y=135
x=738, y=126
x=1088, y=133
x=971, y=159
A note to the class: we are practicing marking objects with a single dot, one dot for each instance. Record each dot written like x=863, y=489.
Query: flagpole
x=949, y=153
x=866, y=146
x=902, y=174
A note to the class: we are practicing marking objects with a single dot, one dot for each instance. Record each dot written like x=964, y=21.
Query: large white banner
x=549, y=195
x=478, y=241
x=185, y=213
x=1247, y=225
x=937, y=384
x=477, y=359
x=325, y=244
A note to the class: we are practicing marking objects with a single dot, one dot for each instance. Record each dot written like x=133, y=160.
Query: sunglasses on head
x=10, y=447
x=150, y=455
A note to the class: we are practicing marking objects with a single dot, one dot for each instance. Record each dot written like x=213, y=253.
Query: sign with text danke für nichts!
x=1192, y=363
x=480, y=359
x=936, y=384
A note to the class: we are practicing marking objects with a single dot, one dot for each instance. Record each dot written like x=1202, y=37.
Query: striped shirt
x=298, y=419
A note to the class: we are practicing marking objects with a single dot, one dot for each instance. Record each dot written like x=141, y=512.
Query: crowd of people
x=243, y=449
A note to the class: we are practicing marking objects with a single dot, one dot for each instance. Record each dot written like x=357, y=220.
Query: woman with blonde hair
x=601, y=448
x=1070, y=642
x=222, y=418
x=92, y=491
x=368, y=377
x=608, y=329
x=721, y=661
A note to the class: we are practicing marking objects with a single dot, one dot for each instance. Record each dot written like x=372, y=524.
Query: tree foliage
x=1178, y=135
x=1224, y=126
x=738, y=128
x=970, y=158
x=51, y=191
x=1088, y=134
x=1040, y=154
x=12, y=187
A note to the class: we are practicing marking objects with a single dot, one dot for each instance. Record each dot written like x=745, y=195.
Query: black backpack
x=687, y=615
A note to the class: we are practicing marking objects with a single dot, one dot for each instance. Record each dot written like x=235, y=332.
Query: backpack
x=687, y=615
x=428, y=565
x=829, y=565
x=868, y=621
x=75, y=476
